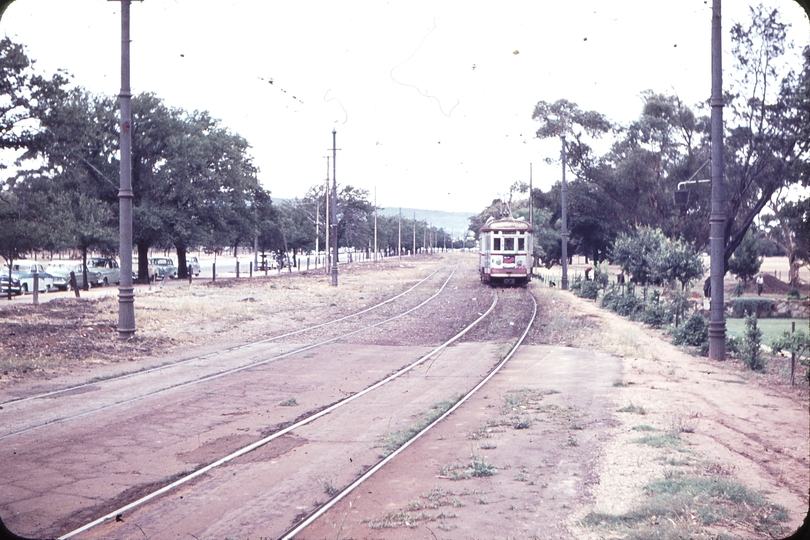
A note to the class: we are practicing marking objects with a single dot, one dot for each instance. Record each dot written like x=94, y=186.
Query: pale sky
x=431, y=100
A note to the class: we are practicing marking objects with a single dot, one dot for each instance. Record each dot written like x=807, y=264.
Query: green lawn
x=770, y=328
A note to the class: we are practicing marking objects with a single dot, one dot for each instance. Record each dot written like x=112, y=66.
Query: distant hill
x=452, y=222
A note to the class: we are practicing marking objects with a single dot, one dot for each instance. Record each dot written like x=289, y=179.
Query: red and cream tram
x=505, y=251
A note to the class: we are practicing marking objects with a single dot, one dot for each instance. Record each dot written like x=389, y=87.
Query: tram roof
x=506, y=225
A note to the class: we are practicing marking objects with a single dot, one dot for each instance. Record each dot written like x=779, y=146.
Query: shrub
x=654, y=314
x=794, y=294
x=693, y=332
x=739, y=289
x=588, y=289
x=751, y=347
x=624, y=303
x=741, y=306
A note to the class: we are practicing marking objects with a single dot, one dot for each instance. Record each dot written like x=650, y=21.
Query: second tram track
x=238, y=369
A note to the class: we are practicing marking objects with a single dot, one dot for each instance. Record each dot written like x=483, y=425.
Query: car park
x=164, y=267
x=107, y=268
x=60, y=271
x=24, y=272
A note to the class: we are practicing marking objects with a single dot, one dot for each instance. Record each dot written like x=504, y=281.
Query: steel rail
x=221, y=351
x=338, y=497
x=227, y=372
x=279, y=433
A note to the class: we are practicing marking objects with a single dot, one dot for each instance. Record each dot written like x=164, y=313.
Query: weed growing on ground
x=392, y=441
x=682, y=506
x=289, y=402
x=657, y=441
x=637, y=409
x=477, y=467
x=643, y=427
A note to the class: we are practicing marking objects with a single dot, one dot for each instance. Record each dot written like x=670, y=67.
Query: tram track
x=241, y=416
x=249, y=448
x=8, y=407
x=160, y=497
x=243, y=346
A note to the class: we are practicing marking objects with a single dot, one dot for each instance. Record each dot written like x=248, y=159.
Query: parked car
x=164, y=267
x=60, y=271
x=24, y=272
x=107, y=268
x=4, y=284
x=194, y=264
x=151, y=271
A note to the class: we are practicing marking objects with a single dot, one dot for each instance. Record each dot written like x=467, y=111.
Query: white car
x=24, y=271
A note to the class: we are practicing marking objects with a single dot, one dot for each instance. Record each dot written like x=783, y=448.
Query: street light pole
x=717, y=218
x=564, y=217
x=126, y=292
x=334, y=215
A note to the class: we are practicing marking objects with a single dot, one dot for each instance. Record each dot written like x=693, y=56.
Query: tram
x=505, y=251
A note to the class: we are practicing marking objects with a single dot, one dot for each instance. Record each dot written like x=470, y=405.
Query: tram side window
x=509, y=244
x=496, y=244
x=521, y=244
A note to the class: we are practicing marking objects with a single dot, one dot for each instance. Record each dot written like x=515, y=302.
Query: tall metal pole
x=414, y=234
x=328, y=220
x=399, y=244
x=126, y=293
x=564, y=232
x=717, y=218
x=531, y=218
x=375, y=224
x=334, y=214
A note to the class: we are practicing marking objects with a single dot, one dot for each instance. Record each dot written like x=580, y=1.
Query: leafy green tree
x=788, y=228
x=639, y=253
x=678, y=261
x=747, y=260
x=768, y=143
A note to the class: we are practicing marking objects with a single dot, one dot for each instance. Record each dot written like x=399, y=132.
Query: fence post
x=251, y=269
x=214, y=272
x=189, y=274
x=74, y=284
x=36, y=288
x=237, y=269
x=792, y=357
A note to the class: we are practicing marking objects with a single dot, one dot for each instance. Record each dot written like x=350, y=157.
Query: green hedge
x=740, y=307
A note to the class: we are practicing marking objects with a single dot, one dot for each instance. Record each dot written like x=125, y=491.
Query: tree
x=638, y=253
x=788, y=228
x=746, y=261
x=768, y=146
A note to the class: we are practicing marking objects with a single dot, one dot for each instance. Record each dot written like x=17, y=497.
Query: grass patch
x=477, y=467
x=681, y=506
x=619, y=383
x=394, y=440
x=643, y=427
x=289, y=402
x=770, y=328
x=635, y=409
x=658, y=441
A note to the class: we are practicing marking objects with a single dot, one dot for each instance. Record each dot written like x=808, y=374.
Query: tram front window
x=509, y=244
x=521, y=244
x=496, y=244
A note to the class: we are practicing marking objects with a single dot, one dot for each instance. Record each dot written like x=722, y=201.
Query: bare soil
x=579, y=426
